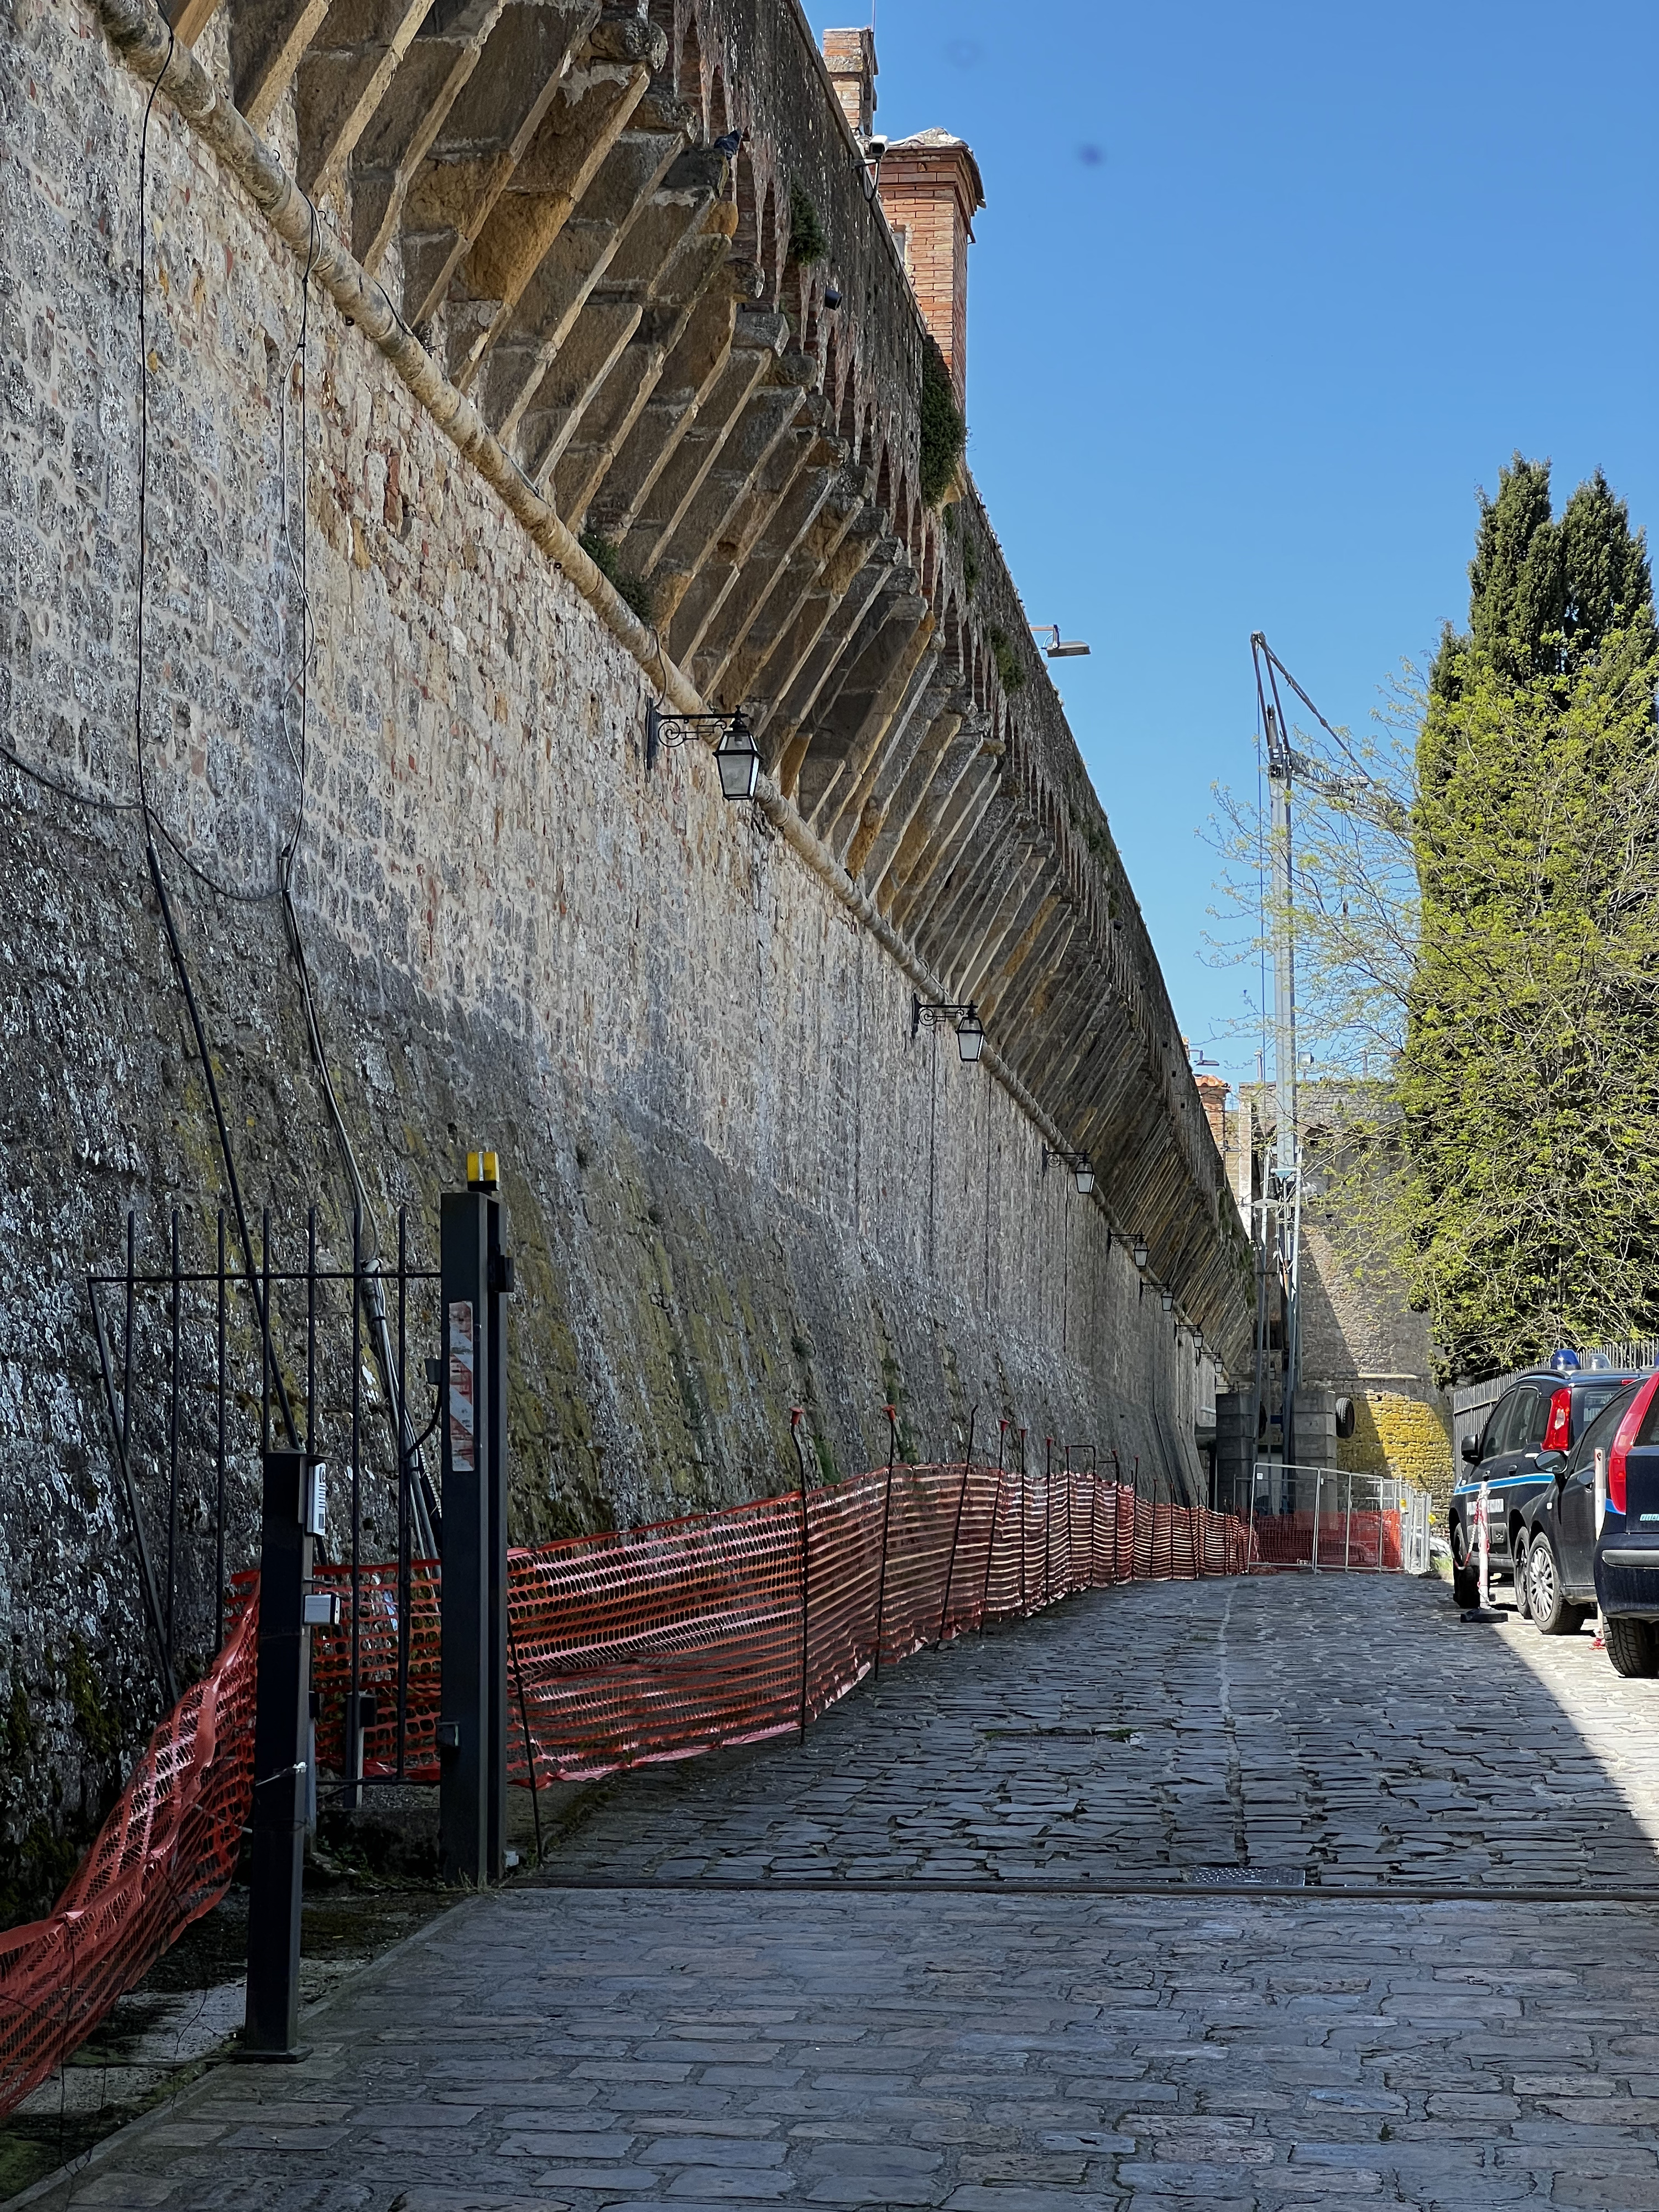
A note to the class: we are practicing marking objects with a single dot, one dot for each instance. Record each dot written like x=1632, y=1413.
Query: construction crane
x=1281, y=1201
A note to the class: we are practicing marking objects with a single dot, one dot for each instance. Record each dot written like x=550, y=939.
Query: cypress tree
x=1529, y=1083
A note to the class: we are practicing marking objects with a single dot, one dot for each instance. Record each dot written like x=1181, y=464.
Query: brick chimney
x=930, y=193
x=850, y=58
x=1213, y=1090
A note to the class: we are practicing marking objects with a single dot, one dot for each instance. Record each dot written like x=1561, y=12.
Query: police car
x=1547, y=1409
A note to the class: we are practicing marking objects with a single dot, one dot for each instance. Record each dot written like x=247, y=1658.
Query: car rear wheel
x=1632, y=1646
x=1545, y=1600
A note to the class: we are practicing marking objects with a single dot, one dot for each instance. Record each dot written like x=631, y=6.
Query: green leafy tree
x=1530, y=1081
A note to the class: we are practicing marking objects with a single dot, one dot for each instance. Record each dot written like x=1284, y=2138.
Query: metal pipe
x=141, y=1543
x=405, y=1475
x=892, y=1412
x=1319, y=1482
x=173, y=1448
x=353, y=1742
x=219, y=1463
x=996, y=1509
x=795, y=1414
x=956, y=1533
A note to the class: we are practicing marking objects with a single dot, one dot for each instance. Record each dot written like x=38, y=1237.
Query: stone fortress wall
x=735, y=1182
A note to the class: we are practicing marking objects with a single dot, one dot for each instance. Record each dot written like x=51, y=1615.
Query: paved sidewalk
x=689, y=2046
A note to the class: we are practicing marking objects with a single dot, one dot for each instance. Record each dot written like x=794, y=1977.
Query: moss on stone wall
x=1400, y=1437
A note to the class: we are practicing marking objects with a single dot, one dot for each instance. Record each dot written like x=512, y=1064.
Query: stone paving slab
x=1350, y=1725
x=999, y=2050
x=981, y=2053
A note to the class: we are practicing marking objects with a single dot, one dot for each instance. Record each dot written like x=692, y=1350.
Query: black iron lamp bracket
x=1072, y=1160
x=736, y=757
x=663, y=732
x=937, y=1014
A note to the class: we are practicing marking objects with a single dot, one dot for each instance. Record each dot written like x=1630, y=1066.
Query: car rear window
x=1648, y=1432
x=1588, y=1402
x=1600, y=1434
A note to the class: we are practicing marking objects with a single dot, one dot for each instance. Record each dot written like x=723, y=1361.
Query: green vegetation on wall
x=1008, y=660
x=943, y=432
x=634, y=591
x=808, y=239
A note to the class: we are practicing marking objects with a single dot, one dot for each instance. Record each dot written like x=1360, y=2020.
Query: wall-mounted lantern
x=1169, y=1301
x=1059, y=647
x=1078, y=1162
x=1140, y=1251
x=970, y=1031
x=737, y=759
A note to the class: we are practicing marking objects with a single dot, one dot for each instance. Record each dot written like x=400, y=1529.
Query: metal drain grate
x=1248, y=1877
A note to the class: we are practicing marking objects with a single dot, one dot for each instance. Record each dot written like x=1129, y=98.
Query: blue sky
x=1260, y=296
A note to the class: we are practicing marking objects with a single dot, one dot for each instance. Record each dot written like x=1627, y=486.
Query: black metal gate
x=206, y=1368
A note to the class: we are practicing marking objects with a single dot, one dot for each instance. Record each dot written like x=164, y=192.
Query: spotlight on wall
x=737, y=759
x=935, y=1013
x=1059, y=647
x=1078, y=1162
x=832, y=296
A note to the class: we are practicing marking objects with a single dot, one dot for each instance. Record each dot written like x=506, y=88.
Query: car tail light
x=1558, y=1431
x=1629, y=1430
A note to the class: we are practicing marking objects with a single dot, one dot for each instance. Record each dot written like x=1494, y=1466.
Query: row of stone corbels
x=536, y=177
x=645, y=384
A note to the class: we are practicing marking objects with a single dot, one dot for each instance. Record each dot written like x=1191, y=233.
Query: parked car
x=1627, y=1549
x=1547, y=1409
x=1557, y=1546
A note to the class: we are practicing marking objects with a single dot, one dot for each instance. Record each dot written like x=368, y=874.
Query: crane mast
x=1276, y=1222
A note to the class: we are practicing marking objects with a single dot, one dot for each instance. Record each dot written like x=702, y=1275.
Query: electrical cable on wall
x=158, y=880
x=407, y=1446
x=405, y=1443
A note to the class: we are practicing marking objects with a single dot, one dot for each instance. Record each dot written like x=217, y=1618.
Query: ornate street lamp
x=1078, y=1162
x=737, y=759
x=935, y=1013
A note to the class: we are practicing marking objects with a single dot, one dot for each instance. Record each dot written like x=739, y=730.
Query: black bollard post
x=293, y=1517
x=477, y=1275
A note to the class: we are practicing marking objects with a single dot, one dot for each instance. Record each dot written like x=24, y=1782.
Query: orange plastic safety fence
x=663, y=1641
x=653, y=1643
x=1366, y=1539
x=162, y=1858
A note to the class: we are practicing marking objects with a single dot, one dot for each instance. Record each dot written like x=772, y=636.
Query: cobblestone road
x=1353, y=1726
x=928, y=2045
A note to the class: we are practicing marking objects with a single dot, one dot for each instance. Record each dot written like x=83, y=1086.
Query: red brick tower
x=931, y=191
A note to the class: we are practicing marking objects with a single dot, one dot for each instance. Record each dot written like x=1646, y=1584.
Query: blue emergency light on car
x=1564, y=1362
